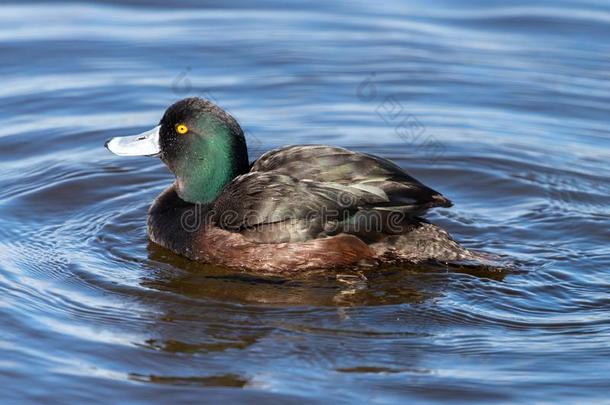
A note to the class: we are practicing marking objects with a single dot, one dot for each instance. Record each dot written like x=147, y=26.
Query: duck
x=295, y=208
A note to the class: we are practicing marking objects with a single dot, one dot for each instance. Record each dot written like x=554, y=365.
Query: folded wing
x=303, y=192
x=338, y=165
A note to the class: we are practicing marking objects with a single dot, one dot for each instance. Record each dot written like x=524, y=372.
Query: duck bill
x=144, y=144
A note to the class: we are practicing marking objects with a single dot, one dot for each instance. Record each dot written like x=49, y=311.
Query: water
x=503, y=108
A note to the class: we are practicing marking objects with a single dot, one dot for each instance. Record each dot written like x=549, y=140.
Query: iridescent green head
x=199, y=142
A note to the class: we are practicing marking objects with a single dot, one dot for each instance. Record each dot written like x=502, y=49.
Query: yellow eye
x=182, y=129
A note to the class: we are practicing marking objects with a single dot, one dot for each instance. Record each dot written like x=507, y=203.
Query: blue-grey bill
x=144, y=144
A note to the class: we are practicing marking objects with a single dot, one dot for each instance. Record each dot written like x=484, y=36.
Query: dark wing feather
x=273, y=207
x=304, y=192
x=338, y=165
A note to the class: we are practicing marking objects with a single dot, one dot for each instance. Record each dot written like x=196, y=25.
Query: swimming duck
x=295, y=208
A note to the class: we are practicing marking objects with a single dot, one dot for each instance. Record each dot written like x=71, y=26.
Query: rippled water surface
x=503, y=107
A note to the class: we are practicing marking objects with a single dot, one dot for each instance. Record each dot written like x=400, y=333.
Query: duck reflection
x=225, y=320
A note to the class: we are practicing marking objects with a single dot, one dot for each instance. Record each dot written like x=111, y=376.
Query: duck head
x=200, y=143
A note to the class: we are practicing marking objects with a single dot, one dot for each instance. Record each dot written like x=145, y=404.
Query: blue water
x=503, y=107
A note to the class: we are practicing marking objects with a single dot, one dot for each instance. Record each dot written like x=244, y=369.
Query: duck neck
x=209, y=167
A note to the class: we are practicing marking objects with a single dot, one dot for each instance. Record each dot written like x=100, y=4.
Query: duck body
x=295, y=208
